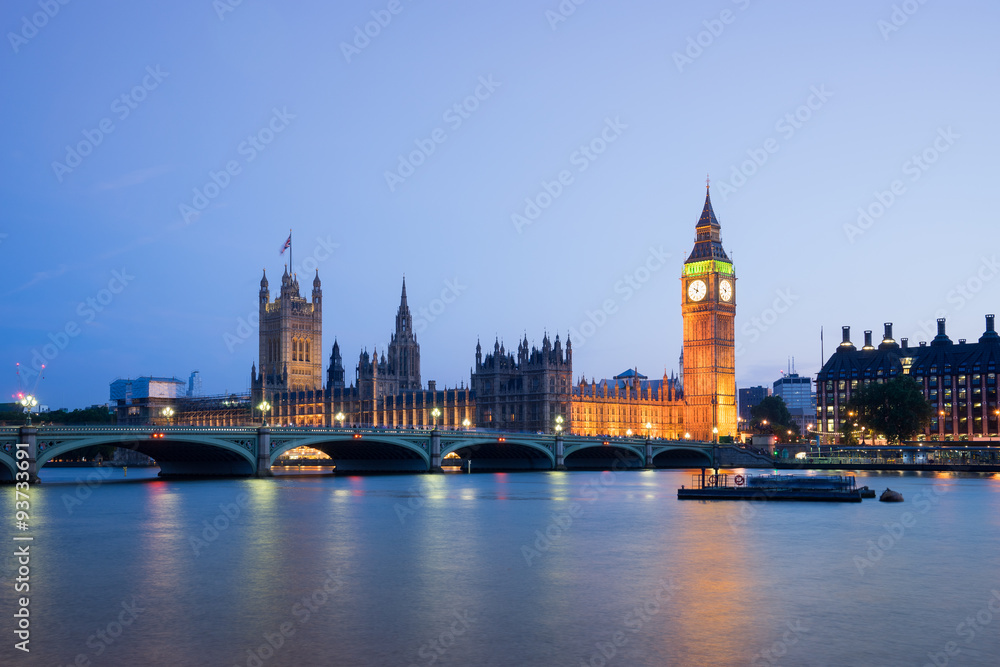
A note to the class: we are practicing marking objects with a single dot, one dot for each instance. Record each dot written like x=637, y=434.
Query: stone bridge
x=251, y=451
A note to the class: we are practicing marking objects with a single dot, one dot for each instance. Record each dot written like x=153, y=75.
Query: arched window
x=308, y=343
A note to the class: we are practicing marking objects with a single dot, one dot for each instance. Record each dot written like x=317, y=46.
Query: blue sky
x=156, y=155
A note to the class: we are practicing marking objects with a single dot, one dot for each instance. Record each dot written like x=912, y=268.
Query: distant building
x=138, y=400
x=749, y=398
x=194, y=385
x=796, y=391
x=958, y=380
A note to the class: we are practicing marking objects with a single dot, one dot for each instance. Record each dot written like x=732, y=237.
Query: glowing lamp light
x=264, y=408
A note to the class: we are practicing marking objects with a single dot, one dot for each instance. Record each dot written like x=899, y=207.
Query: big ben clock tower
x=709, y=309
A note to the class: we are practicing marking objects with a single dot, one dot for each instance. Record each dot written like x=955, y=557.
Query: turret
x=265, y=295
x=317, y=294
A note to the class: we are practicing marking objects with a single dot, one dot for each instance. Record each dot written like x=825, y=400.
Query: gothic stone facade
x=526, y=391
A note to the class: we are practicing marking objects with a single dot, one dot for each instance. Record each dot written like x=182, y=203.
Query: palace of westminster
x=533, y=390
x=528, y=390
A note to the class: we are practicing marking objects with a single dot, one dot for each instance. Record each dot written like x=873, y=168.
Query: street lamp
x=687, y=436
x=264, y=408
x=167, y=413
x=715, y=434
x=340, y=417
x=28, y=402
x=628, y=432
x=649, y=427
x=435, y=413
x=466, y=423
x=559, y=423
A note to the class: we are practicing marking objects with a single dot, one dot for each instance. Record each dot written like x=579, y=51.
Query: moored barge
x=825, y=488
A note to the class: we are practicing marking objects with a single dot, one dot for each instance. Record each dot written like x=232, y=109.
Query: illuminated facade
x=291, y=338
x=531, y=390
x=958, y=380
x=708, y=297
x=629, y=404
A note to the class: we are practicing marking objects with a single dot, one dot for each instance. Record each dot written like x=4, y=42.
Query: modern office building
x=796, y=391
x=749, y=398
x=958, y=379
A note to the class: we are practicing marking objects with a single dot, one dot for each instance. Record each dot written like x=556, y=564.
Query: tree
x=896, y=409
x=779, y=420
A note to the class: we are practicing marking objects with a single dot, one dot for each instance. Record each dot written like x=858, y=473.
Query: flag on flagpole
x=287, y=245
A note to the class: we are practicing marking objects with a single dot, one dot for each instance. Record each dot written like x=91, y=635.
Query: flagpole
x=291, y=266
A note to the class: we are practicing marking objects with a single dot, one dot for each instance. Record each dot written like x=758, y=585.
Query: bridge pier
x=435, y=451
x=560, y=452
x=29, y=435
x=263, y=453
x=648, y=454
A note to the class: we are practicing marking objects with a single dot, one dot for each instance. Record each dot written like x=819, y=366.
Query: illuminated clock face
x=697, y=290
x=726, y=290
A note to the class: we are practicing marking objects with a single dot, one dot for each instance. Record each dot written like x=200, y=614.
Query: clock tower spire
x=708, y=306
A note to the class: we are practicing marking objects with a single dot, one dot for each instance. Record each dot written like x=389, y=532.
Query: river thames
x=558, y=568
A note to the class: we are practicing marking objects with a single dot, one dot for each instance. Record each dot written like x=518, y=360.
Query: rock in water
x=890, y=496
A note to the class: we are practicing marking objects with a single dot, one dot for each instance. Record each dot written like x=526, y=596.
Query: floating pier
x=827, y=488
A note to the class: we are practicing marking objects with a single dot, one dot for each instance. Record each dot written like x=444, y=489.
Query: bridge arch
x=371, y=451
x=601, y=456
x=502, y=452
x=7, y=467
x=681, y=457
x=177, y=453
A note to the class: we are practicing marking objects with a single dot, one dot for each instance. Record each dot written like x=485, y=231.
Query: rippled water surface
x=503, y=569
